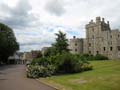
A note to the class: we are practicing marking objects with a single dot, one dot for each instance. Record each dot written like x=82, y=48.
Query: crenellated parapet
x=99, y=22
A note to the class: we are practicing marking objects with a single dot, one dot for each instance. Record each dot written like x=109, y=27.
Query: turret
x=74, y=37
x=103, y=20
x=98, y=19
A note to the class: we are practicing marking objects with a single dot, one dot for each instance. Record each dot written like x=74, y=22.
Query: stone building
x=100, y=39
x=14, y=59
x=76, y=45
x=28, y=56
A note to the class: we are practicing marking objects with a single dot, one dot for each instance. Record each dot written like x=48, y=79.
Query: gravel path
x=13, y=78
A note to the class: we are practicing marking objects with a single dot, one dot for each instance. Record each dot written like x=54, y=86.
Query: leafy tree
x=61, y=44
x=50, y=51
x=39, y=54
x=8, y=44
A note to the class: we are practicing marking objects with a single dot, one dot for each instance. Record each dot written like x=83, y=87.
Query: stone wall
x=76, y=45
x=100, y=39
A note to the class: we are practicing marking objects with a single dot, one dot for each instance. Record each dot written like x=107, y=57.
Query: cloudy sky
x=35, y=21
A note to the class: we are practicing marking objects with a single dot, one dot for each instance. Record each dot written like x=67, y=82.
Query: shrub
x=100, y=57
x=88, y=57
x=35, y=71
x=41, y=61
x=57, y=64
x=68, y=63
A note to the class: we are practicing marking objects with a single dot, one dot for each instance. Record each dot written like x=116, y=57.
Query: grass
x=104, y=76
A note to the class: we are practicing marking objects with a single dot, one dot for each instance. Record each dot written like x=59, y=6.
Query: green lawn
x=104, y=76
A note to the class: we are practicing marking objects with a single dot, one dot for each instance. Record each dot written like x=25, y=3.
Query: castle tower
x=94, y=37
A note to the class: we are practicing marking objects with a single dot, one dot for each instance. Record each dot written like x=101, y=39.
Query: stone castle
x=100, y=39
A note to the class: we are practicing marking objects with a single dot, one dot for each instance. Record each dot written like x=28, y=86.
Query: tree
x=61, y=44
x=8, y=43
x=39, y=54
x=50, y=51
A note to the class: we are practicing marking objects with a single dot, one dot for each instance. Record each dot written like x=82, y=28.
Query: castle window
x=75, y=50
x=110, y=36
x=93, y=36
x=97, y=52
x=89, y=44
x=111, y=48
x=75, y=44
x=118, y=35
x=118, y=48
x=89, y=52
x=104, y=48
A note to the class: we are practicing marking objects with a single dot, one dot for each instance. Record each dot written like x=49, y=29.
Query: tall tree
x=8, y=43
x=61, y=43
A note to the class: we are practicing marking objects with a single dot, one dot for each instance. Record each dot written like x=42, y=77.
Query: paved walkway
x=13, y=78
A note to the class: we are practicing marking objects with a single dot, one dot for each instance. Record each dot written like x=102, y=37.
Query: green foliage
x=39, y=55
x=41, y=61
x=57, y=60
x=8, y=44
x=87, y=57
x=50, y=51
x=35, y=71
x=59, y=46
x=40, y=67
x=57, y=64
x=68, y=63
x=100, y=57
x=61, y=43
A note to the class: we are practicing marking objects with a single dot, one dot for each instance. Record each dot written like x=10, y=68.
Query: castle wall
x=76, y=45
x=114, y=43
x=100, y=39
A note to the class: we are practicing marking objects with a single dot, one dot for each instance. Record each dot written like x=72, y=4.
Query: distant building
x=28, y=56
x=14, y=59
x=35, y=53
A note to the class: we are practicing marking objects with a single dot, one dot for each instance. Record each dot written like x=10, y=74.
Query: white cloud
x=35, y=21
x=55, y=7
x=18, y=16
